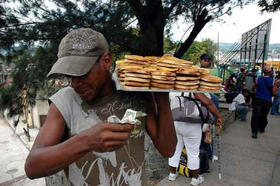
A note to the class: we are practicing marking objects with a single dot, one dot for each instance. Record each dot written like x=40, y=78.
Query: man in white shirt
x=240, y=106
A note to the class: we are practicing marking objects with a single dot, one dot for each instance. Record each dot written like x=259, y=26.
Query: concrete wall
x=156, y=166
x=41, y=108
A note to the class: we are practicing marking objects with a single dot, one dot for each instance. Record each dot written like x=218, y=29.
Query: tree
x=30, y=71
x=32, y=24
x=269, y=6
x=199, y=48
x=112, y=18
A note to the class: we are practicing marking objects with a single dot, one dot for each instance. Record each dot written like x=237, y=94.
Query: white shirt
x=238, y=100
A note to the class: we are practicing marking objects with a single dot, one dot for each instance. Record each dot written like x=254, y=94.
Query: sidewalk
x=12, y=157
x=245, y=161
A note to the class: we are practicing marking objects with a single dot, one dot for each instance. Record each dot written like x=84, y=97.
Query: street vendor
x=81, y=136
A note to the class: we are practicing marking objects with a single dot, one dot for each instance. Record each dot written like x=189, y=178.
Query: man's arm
x=209, y=105
x=161, y=128
x=246, y=104
x=274, y=89
x=48, y=155
x=255, y=83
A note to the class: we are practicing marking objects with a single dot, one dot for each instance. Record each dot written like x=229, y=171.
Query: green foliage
x=269, y=6
x=10, y=99
x=30, y=70
x=199, y=48
x=169, y=45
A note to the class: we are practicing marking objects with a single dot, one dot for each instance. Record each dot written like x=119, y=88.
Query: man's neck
x=106, y=90
x=204, y=67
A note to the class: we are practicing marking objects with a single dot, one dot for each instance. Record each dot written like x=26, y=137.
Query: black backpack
x=203, y=160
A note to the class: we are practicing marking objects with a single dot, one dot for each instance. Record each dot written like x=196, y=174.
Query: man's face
x=89, y=85
x=246, y=94
x=205, y=63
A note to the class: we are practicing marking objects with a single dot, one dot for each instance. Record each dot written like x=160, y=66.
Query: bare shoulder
x=53, y=129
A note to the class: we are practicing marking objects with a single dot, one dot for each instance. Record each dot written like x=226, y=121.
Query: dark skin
x=246, y=94
x=49, y=155
x=205, y=63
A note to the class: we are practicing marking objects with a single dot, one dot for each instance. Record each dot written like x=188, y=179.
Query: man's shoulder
x=65, y=93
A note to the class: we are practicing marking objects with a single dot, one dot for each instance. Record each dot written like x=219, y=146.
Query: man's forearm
x=166, y=136
x=213, y=109
x=208, y=103
x=274, y=89
x=44, y=161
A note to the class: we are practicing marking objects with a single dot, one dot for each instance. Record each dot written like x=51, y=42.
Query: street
x=245, y=161
x=12, y=158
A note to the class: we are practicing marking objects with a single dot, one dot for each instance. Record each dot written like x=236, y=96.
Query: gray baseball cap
x=78, y=51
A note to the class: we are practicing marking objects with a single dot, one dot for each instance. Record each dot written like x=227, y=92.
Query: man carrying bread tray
x=92, y=132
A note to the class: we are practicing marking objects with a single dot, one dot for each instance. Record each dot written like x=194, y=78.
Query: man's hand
x=219, y=121
x=219, y=126
x=106, y=137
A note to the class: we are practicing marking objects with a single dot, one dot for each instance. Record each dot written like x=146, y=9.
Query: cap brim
x=72, y=65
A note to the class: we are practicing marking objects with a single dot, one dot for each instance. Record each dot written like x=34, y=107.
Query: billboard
x=255, y=44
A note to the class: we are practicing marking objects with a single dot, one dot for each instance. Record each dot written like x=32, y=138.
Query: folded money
x=130, y=117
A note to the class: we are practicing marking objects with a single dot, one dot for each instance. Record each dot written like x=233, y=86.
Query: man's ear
x=107, y=61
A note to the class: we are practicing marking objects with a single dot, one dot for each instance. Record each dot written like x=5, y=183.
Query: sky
x=230, y=31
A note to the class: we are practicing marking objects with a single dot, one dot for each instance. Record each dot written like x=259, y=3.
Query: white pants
x=188, y=135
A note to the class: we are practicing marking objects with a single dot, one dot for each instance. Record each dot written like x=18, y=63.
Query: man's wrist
x=82, y=140
x=219, y=116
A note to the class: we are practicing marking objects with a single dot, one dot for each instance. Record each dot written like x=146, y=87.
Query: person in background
x=206, y=61
x=276, y=99
x=265, y=89
x=258, y=71
x=240, y=105
x=189, y=136
x=241, y=79
x=230, y=83
x=250, y=79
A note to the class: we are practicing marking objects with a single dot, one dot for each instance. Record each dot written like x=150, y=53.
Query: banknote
x=129, y=116
x=113, y=119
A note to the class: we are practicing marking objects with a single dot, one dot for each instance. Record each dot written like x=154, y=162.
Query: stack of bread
x=187, y=79
x=172, y=64
x=135, y=60
x=139, y=79
x=166, y=72
x=122, y=67
x=209, y=83
x=163, y=80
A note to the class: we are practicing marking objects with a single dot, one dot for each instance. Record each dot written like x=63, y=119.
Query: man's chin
x=88, y=97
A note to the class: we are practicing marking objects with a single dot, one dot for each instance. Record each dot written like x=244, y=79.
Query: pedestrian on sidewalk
x=77, y=136
x=206, y=61
x=250, y=79
x=189, y=134
x=265, y=89
x=276, y=100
